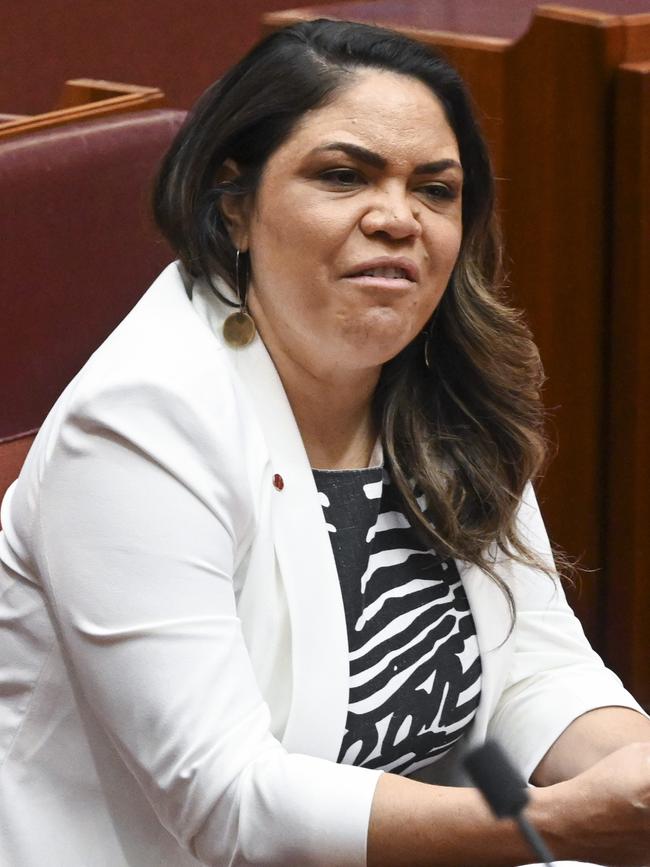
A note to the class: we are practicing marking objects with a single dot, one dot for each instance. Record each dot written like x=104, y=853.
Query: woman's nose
x=394, y=215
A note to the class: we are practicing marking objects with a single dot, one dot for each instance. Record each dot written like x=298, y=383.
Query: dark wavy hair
x=466, y=431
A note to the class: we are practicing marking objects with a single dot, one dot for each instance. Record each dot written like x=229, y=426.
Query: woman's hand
x=603, y=814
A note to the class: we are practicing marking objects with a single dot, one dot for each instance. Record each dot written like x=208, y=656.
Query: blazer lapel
x=318, y=632
x=319, y=646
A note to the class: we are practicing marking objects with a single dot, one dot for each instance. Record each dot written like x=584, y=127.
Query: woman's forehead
x=394, y=115
x=388, y=112
x=379, y=95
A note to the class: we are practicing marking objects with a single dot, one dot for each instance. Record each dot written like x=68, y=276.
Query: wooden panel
x=81, y=91
x=83, y=99
x=555, y=204
x=501, y=20
x=628, y=527
x=637, y=38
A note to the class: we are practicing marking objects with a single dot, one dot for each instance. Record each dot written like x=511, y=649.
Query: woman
x=277, y=539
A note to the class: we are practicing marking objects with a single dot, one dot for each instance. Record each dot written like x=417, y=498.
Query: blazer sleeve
x=555, y=675
x=144, y=503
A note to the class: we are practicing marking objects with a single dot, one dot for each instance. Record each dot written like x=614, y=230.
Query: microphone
x=505, y=790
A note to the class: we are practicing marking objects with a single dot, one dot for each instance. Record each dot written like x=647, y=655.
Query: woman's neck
x=335, y=440
x=331, y=402
x=333, y=413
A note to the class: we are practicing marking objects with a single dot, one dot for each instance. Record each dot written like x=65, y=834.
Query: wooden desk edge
x=286, y=17
x=115, y=105
x=554, y=11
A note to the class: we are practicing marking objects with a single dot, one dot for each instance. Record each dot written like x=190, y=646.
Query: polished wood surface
x=439, y=20
x=485, y=21
x=627, y=601
x=554, y=211
x=543, y=77
x=80, y=92
x=81, y=99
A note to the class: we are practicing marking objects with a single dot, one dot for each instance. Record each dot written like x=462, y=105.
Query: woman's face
x=355, y=227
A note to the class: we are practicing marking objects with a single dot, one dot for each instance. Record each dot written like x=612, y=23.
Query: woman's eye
x=438, y=191
x=342, y=177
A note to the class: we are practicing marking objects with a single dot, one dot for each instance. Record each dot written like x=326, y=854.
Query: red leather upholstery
x=77, y=249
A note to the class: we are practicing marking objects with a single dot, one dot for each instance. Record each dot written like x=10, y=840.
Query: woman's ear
x=234, y=208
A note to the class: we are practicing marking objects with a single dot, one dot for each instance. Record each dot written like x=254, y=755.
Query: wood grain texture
x=555, y=225
x=628, y=423
x=504, y=22
x=83, y=99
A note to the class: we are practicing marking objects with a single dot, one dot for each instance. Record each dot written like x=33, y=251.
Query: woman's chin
x=377, y=339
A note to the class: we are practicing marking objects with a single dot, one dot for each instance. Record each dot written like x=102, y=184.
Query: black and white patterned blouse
x=415, y=670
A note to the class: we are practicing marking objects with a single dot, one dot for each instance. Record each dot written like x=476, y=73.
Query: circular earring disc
x=239, y=329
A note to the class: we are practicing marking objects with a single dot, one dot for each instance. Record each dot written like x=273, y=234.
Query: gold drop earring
x=239, y=327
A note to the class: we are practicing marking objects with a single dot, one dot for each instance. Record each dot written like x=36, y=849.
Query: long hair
x=466, y=430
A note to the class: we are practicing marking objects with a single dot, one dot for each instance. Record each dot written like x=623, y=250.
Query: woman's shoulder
x=159, y=399
x=162, y=340
x=163, y=350
x=161, y=381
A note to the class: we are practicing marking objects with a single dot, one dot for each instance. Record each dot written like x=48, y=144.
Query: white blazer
x=173, y=660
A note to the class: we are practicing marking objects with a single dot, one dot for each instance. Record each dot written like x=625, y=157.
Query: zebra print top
x=415, y=669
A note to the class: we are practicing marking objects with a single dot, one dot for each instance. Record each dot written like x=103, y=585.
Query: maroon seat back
x=77, y=250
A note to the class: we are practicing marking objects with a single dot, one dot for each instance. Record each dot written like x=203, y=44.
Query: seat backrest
x=77, y=250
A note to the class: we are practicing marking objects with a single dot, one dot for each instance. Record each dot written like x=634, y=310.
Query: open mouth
x=386, y=269
x=385, y=273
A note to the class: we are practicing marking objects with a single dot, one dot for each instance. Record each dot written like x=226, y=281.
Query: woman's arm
x=588, y=739
x=137, y=552
x=595, y=804
x=417, y=825
x=600, y=816
x=142, y=508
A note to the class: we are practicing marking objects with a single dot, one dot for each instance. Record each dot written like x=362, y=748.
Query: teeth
x=389, y=273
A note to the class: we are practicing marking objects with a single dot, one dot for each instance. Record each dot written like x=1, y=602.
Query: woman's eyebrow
x=378, y=162
x=363, y=154
x=437, y=166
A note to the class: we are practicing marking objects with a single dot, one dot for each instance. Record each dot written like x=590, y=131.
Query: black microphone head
x=501, y=784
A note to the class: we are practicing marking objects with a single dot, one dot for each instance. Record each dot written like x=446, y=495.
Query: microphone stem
x=535, y=842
